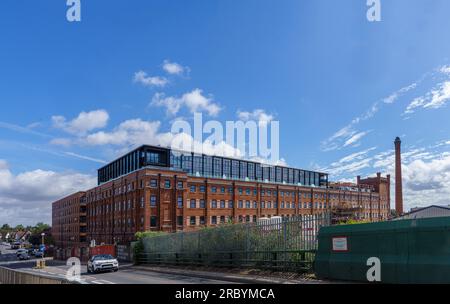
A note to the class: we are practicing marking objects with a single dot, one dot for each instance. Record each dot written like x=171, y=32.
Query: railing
x=286, y=244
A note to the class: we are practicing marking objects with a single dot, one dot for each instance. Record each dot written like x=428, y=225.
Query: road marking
x=102, y=282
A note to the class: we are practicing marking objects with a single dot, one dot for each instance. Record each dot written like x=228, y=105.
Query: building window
x=222, y=219
x=202, y=189
x=180, y=220
x=153, y=221
x=214, y=204
x=222, y=190
x=152, y=158
x=193, y=189
x=255, y=205
x=180, y=202
x=247, y=218
x=214, y=220
x=254, y=218
x=192, y=221
x=235, y=169
x=193, y=203
x=180, y=185
x=230, y=204
x=222, y=204
x=202, y=203
x=167, y=184
x=202, y=220
x=226, y=168
x=153, y=200
x=240, y=191
x=241, y=204
x=213, y=189
x=247, y=204
x=153, y=183
x=263, y=205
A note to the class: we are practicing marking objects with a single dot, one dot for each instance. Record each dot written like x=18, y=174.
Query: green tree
x=6, y=227
x=40, y=227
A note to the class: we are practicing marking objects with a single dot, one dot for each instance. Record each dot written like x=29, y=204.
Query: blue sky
x=313, y=65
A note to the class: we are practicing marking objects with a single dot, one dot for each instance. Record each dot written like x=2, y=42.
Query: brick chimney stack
x=398, y=177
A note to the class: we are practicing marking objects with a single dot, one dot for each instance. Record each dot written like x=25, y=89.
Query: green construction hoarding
x=406, y=251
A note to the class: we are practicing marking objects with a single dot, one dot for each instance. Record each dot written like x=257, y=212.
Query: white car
x=102, y=262
x=21, y=252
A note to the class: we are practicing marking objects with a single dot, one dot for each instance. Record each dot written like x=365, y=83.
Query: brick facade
x=166, y=200
x=158, y=189
x=69, y=225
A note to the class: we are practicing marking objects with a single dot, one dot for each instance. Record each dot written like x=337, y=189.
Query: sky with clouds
x=76, y=95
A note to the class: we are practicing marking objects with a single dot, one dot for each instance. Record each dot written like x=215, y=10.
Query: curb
x=221, y=277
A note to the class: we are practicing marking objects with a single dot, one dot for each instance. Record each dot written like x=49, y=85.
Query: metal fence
x=277, y=243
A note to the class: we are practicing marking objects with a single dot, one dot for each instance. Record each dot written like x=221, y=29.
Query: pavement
x=127, y=274
x=234, y=276
x=130, y=274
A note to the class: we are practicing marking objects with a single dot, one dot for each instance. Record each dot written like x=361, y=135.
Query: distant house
x=426, y=212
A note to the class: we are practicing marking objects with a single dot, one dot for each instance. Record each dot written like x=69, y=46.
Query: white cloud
x=426, y=172
x=394, y=96
x=149, y=81
x=61, y=142
x=259, y=115
x=355, y=139
x=339, y=138
x=84, y=157
x=84, y=122
x=195, y=101
x=427, y=182
x=135, y=132
x=26, y=198
x=129, y=132
x=174, y=68
x=436, y=98
x=445, y=69
x=20, y=129
x=357, y=155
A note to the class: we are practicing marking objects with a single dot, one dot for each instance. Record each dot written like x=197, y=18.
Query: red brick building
x=158, y=189
x=69, y=226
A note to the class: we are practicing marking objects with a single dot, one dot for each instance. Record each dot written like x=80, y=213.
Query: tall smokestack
x=398, y=177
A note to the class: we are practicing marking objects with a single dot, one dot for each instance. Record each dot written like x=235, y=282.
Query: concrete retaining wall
x=10, y=276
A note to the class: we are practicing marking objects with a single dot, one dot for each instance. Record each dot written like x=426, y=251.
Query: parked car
x=39, y=254
x=102, y=262
x=21, y=251
x=24, y=256
x=15, y=245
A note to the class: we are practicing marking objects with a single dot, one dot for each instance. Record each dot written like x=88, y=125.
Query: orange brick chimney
x=398, y=177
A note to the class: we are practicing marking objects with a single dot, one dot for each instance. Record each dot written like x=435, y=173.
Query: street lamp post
x=43, y=244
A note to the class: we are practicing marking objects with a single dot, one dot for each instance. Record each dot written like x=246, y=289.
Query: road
x=126, y=275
